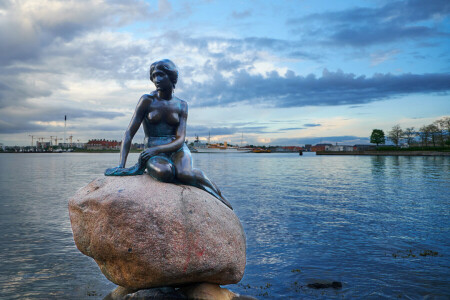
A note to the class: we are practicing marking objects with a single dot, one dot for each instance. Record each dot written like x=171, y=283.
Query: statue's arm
x=175, y=144
x=135, y=123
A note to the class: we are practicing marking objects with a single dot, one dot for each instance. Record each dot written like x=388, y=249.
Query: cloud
x=219, y=47
x=203, y=131
x=342, y=140
x=33, y=25
x=395, y=21
x=291, y=90
x=85, y=59
x=241, y=14
x=382, y=56
x=34, y=118
x=291, y=128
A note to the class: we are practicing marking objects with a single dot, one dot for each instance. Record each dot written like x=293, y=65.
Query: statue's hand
x=147, y=154
x=137, y=169
x=117, y=171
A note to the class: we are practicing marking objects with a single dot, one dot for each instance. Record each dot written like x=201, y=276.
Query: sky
x=253, y=72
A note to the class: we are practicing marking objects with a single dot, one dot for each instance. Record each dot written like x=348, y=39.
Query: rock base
x=144, y=233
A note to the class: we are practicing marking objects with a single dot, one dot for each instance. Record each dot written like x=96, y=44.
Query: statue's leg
x=161, y=168
x=186, y=174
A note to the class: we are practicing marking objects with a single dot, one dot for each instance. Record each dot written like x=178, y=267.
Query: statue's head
x=168, y=67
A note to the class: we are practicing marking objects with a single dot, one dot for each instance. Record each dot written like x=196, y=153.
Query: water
x=360, y=220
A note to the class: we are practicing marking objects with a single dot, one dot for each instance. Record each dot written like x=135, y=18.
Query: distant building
x=364, y=147
x=339, y=148
x=286, y=149
x=138, y=146
x=319, y=147
x=103, y=145
x=43, y=145
x=79, y=145
x=308, y=147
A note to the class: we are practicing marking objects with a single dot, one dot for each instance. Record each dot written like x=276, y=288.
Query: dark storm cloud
x=395, y=21
x=291, y=90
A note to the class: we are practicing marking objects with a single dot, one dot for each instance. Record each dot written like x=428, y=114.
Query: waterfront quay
x=386, y=153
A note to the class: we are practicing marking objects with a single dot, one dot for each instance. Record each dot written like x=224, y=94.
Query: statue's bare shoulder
x=145, y=101
x=183, y=105
x=148, y=97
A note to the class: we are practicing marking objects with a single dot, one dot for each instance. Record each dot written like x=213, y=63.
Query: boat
x=214, y=148
x=200, y=147
x=261, y=150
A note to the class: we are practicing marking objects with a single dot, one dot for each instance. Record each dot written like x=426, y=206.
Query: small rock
x=207, y=291
x=319, y=285
x=164, y=293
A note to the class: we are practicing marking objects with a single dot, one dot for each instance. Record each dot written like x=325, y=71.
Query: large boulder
x=144, y=233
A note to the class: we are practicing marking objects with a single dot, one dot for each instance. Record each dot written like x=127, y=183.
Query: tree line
x=434, y=134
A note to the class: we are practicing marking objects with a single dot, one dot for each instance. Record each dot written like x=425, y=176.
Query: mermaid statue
x=163, y=117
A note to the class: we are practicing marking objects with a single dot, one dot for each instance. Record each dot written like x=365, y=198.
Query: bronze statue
x=163, y=117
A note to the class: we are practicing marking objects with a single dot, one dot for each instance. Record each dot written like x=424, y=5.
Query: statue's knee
x=186, y=177
x=161, y=168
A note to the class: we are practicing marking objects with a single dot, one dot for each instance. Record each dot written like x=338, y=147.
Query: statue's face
x=162, y=81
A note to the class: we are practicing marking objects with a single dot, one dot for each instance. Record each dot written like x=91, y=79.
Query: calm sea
x=380, y=225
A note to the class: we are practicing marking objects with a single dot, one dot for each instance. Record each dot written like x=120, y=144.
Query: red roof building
x=103, y=145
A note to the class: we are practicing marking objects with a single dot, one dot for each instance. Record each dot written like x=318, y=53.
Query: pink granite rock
x=144, y=233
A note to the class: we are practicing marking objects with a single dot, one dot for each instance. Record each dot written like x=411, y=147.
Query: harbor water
x=380, y=225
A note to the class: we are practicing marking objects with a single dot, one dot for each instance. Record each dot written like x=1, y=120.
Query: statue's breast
x=170, y=117
x=154, y=117
x=173, y=119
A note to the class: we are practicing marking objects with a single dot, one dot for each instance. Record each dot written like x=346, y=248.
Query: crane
x=32, y=140
x=40, y=140
x=56, y=140
x=70, y=139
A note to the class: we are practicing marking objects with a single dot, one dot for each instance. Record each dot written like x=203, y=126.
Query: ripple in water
x=365, y=221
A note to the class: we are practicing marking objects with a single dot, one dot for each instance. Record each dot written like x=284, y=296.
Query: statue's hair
x=167, y=66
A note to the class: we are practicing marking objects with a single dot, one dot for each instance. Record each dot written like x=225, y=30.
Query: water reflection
x=306, y=218
x=378, y=164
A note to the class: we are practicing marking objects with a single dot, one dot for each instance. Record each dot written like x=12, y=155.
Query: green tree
x=441, y=130
x=424, y=134
x=395, y=134
x=409, y=135
x=377, y=137
x=445, y=124
x=434, y=133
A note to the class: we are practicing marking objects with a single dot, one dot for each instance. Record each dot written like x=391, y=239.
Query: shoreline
x=386, y=153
